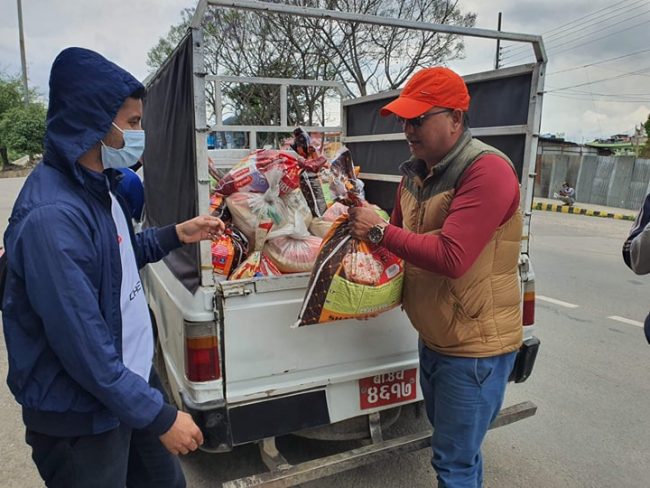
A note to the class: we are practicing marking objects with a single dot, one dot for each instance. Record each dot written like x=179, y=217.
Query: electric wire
x=553, y=52
x=549, y=34
x=553, y=49
x=583, y=99
x=598, y=62
x=624, y=75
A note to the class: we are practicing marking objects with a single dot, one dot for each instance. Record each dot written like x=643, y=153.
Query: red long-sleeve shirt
x=487, y=196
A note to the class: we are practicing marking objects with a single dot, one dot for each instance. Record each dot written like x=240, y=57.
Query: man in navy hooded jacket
x=76, y=323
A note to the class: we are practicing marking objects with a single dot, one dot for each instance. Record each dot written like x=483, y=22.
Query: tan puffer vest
x=478, y=314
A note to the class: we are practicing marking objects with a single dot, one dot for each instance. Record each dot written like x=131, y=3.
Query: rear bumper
x=226, y=426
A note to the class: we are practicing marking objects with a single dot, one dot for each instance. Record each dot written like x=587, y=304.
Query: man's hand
x=183, y=436
x=200, y=228
x=362, y=219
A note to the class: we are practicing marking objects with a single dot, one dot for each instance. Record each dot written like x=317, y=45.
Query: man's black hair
x=139, y=93
x=466, y=120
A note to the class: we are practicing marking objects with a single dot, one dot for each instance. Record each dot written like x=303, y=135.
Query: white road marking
x=556, y=302
x=626, y=321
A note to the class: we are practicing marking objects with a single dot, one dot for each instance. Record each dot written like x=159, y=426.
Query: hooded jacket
x=61, y=308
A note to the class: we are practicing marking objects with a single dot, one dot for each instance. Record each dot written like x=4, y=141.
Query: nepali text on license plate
x=388, y=388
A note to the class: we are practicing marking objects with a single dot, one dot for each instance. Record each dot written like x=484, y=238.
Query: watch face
x=375, y=234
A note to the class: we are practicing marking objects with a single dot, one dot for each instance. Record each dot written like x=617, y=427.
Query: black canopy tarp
x=170, y=158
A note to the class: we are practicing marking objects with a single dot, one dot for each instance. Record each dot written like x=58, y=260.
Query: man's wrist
x=179, y=233
x=376, y=232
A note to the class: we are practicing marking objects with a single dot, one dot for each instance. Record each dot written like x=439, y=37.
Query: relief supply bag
x=251, y=174
x=345, y=173
x=320, y=227
x=229, y=251
x=218, y=208
x=249, y=209
x=293, y=249
x=257, y=265
x=351, y=279
x=312, y=190
x=293, y=254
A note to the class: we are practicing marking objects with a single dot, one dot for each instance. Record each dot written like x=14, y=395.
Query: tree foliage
x=10, y=93
x=10, y=97
x=364, y=58
x=22, y=129
x=166, y=45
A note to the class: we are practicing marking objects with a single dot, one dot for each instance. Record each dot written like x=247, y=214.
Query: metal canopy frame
x=530, y=129
x=534, y=40
x=284, y=84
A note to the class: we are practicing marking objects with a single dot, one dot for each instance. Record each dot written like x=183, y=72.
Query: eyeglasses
x=416, y=122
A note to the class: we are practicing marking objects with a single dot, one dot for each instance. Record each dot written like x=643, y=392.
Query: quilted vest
x=478, y=314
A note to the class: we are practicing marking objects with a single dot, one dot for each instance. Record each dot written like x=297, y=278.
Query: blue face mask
x=126, y=156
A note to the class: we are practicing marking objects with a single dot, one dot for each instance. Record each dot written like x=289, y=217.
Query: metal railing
x=283, y=126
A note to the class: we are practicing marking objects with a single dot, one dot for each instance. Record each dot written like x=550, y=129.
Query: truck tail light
x=202, y=351
x=528, y=315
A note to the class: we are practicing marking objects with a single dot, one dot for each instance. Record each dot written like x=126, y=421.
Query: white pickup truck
x=226, y=349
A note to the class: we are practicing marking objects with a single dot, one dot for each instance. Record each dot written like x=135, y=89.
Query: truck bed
x=266, y=356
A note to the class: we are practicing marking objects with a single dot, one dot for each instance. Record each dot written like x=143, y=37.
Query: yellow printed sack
x=351, y=279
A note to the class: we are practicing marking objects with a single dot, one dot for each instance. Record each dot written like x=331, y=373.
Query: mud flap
x=525, y=360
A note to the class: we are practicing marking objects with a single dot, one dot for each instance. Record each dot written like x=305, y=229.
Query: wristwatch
x=376, y=233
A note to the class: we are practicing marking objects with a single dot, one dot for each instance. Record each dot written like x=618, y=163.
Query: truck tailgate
x=265, y=356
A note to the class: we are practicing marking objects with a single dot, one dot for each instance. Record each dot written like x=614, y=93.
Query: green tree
x=23, y=129
x=10, y=97
x=166, y=45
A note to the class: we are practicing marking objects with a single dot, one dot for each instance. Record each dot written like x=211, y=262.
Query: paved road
x=590, y=383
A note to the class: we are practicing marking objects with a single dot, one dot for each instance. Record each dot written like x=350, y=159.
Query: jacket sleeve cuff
x=163, y=421
x=168, y=238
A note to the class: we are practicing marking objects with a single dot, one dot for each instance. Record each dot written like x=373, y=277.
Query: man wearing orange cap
x=458, y=226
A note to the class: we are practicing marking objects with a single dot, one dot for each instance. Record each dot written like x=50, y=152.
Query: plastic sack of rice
x=293, y=254
x=293, y=249
x=250, y=175
x=351, y=279
x=320, y=227
x=258, y=264
x=248, y=209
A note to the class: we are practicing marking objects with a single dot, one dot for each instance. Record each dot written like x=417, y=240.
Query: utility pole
x=22, y=51
x=497, y=58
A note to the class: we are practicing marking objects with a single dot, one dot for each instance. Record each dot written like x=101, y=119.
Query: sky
x=579, y=35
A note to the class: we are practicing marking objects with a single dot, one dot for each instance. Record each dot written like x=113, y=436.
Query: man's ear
x=457, y=119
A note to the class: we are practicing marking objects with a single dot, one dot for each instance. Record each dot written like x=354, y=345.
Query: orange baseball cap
x=429, y=87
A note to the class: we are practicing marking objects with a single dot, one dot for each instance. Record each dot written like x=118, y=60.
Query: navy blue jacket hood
x=86, y=92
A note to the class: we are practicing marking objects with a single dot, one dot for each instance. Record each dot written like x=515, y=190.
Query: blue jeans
x=114, y=459
x=462, y=397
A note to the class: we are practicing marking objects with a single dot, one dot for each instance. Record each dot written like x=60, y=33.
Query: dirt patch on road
x=16, y=172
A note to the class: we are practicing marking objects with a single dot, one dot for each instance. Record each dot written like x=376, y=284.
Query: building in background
x=621, y=144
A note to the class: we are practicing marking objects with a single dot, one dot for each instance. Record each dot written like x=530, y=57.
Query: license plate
x=388, y=388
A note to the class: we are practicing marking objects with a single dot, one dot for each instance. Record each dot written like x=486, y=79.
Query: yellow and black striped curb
x=555, y=207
